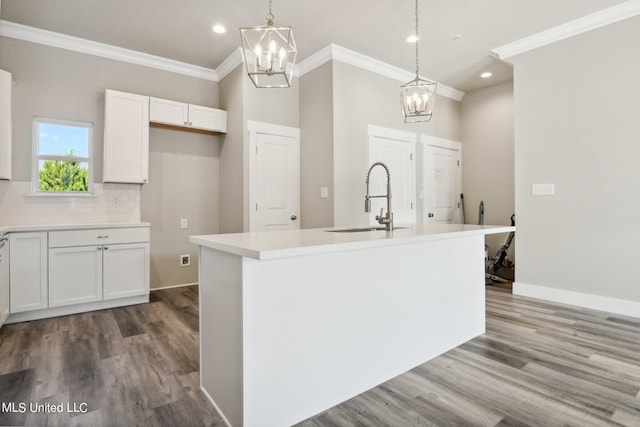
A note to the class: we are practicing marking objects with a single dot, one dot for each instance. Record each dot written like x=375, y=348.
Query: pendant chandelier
x=418, y=95
x=269, y=53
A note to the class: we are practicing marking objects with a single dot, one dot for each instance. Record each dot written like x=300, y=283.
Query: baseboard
x=173, y=286
x=208, y=396
x=579, y=299
x=65, y=310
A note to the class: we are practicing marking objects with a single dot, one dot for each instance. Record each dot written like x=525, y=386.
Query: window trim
x=36, y=157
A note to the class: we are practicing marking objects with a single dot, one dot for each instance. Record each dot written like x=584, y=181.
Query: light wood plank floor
x=539, y=364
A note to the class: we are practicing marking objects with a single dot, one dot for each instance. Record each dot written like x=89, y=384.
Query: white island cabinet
x=294, y=322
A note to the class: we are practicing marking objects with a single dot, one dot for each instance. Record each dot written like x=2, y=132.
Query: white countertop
x=54, y=227
x=289, y=243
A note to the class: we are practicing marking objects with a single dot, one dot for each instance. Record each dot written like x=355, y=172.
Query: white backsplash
x=109, y=203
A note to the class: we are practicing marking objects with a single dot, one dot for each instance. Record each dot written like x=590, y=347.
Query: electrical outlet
x=184, y=223
x=115, y=201
x=324, y=192
x=543, y=189
x=185, y=260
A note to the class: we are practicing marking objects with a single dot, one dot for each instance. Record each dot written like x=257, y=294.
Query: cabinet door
x=168, y=112
x=75, y=275
x=207, y=118
x=28, y=271
x=126, y=270
x=5, y=125
x=126, y=137
x=4, y=282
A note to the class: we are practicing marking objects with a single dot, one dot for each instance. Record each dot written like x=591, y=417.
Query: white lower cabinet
x=75, y=275
x=95, y=265
x=126, y=270
x=28, y=271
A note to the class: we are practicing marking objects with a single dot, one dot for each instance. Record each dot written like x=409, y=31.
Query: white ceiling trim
x=230, y=64
x=596, y=20
x=330, y=52
x=76, y=44
x=342, y=54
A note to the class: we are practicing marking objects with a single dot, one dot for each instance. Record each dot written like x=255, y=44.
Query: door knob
x=293, y=217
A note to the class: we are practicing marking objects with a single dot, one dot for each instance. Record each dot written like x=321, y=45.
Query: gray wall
x=576, y=109
x=316, y=149
x=58, y=83
x=243, y=102
x=231, y=154
x=487, y=157
x=362, y=98
x=183, y=183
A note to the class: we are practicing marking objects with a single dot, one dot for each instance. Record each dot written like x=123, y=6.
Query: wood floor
x=132, y=366
x=539, y=364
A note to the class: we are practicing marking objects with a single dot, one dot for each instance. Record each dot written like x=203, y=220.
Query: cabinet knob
x=293, y=217
x=106, y=247
x=99, y=248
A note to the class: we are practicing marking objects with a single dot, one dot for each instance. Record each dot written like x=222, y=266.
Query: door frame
x=434, y=141
x=402, y=137
x=254, y=128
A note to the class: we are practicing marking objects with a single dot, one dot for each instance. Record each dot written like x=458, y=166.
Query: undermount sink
x=360, y=229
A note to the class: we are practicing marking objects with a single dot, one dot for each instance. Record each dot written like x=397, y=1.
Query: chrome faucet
x=386, y=220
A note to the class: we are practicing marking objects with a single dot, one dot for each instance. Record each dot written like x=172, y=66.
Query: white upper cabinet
x=126, y=137
x=207, y=118
x=5, y=125
x=179, y=114
x=168, y=112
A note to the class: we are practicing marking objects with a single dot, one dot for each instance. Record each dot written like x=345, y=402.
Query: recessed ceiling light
x=412, y=38
x=219, y=29
x=486, y=75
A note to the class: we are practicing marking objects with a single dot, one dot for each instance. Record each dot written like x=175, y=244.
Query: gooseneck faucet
x=386, y=220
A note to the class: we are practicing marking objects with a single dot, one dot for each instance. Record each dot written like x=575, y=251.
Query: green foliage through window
x=64, y=175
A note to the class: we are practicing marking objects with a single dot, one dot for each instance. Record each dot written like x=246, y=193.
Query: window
x=62, y=159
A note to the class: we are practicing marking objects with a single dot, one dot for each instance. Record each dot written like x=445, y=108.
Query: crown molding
x=76, y=44
x=578, y=26
x=328, y=53
x=339, y=53
x=230, y=63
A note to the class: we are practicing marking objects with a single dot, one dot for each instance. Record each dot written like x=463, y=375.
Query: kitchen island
x=294, y=322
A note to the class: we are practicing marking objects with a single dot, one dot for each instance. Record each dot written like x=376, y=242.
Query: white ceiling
x=181, y=29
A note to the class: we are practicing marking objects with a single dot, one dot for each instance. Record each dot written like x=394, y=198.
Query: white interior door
x=396, y=149
x=442, y=179
x=275, y=177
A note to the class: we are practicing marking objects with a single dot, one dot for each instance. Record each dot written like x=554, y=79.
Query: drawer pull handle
x=103, y=237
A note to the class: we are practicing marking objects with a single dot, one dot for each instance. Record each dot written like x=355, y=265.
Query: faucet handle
x=378, y=217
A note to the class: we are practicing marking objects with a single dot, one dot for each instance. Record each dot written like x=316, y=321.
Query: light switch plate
x=543, y=189
x=324, y=192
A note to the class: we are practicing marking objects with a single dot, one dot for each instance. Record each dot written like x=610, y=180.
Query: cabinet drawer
x=102, y=236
